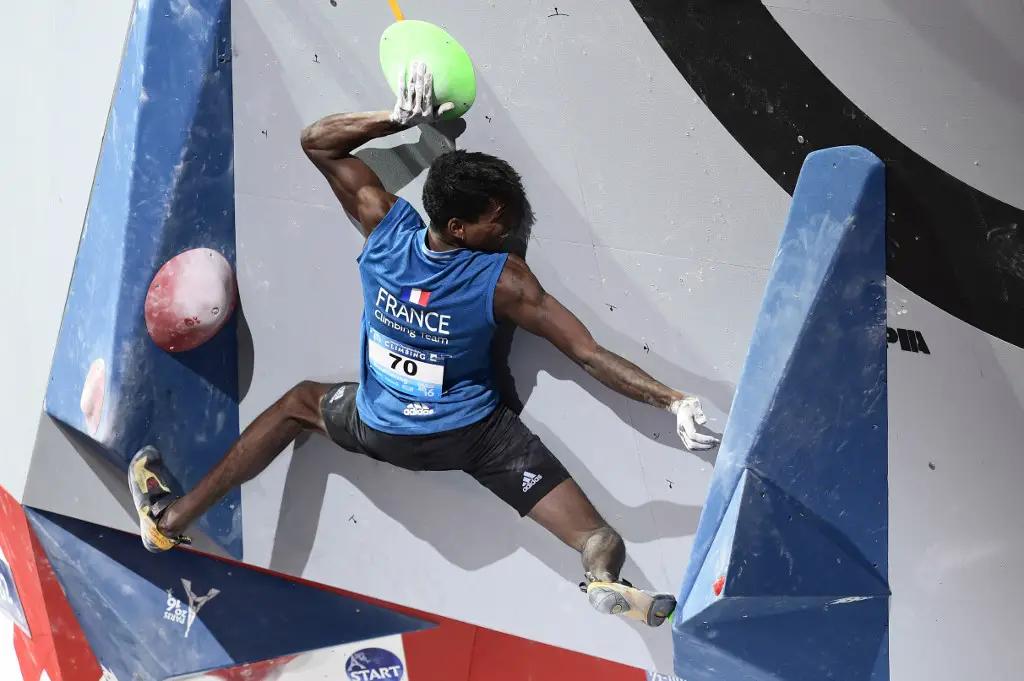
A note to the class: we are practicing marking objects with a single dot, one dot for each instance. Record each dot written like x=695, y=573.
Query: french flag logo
x=416, y=296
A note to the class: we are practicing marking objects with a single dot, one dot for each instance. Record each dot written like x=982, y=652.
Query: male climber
x=426, y=399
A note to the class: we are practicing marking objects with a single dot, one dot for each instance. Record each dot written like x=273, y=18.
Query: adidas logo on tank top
x=417, y=409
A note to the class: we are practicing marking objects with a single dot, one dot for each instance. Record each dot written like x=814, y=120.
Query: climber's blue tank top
x=427, y=327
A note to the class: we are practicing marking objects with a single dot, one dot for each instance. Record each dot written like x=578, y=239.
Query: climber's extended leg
x=163, y=518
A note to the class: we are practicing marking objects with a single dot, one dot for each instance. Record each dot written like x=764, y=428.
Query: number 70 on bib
x=404, y=369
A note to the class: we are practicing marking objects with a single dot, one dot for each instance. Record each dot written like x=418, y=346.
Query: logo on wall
x=10, y=604
x=5, y=581
x=374, y=664
x=909, y=340
x=177, y=611
x=658, y=676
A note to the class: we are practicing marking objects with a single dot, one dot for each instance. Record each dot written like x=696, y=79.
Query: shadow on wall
x=52, y=436
x=422, y=501
x=399, y=166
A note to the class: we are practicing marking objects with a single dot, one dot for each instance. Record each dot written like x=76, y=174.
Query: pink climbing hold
x=93, y=390
x=190, y=299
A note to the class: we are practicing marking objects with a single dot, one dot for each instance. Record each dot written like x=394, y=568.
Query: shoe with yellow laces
x=622, y=598
x=152, y=495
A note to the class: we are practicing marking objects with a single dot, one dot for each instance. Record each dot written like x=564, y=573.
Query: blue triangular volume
x=134, y=606
x=810, y=411
x=810, y=408
x=781, y=548
x=703, y=661
x=716, y=563
x=771, y=545
x=792, y=639
x=881, y=669
x=164, y=184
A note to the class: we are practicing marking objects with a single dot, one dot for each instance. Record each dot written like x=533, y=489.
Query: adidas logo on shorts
x=417, y=409
x=529, y=480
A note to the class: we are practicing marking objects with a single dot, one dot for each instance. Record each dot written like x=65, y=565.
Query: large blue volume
x=151, y=618
x=788, y=575
x=164, y=184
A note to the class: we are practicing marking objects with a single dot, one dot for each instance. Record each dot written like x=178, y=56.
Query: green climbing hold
x=404, y=42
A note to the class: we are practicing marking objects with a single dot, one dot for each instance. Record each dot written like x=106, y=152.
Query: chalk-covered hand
x=415, y=103
x=689, y=415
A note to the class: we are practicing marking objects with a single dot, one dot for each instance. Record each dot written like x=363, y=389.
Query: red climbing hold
x=719, y=585
x=190, y=299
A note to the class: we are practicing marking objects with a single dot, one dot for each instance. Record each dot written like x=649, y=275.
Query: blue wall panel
x=134, y=607
x=164, y=184
x=806, y=591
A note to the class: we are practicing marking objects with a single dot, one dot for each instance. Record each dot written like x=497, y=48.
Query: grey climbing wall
x=654, y=225
x=639, y=233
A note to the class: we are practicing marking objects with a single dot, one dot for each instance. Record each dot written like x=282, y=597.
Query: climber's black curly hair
x=462, y=184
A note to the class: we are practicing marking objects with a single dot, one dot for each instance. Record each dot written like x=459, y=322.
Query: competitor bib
x=413, y=372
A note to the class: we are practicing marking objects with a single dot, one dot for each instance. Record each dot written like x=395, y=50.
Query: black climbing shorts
x=499, y=451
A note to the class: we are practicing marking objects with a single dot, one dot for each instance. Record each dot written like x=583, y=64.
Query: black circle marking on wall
x=949, y=243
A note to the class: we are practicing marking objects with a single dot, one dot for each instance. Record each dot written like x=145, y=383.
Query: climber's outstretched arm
x=329, y=144
x=520, y=299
